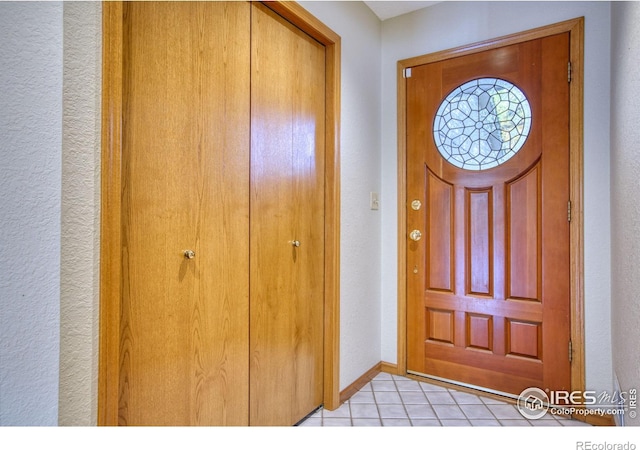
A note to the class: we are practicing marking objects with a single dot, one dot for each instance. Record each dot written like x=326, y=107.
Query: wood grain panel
x=480, y=368
x=504, y=61
x=495, y=376
x=111, y=212
x=301, y=18
x=524, y=339
x=479, y=242
x=184, y=327
x=479, y=332
x=515, y=308
x=440, y=325
x=439, y=242
x=524, y=235
x=555, y=271
x=287, y=205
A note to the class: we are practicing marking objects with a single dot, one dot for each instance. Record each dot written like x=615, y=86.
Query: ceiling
x=388, y=9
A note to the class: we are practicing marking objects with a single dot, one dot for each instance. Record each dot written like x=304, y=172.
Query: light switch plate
x=374, y=202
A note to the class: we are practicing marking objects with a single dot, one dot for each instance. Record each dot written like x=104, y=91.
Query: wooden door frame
x=575, y=28
x=111, y=203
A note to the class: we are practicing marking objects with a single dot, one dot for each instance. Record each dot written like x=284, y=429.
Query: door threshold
x=308, y=415
x=465, y=386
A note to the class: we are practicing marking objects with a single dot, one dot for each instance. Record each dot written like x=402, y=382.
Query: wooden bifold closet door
x=222, y=227
x=287, y=220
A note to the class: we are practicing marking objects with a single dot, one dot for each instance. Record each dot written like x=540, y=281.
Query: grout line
x=429, y=402
x=460, y=407
x=375, y=402
x=401, y=401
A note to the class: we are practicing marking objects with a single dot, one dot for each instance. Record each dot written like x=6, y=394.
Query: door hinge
x=569, y=71
x=406, y=73
x=570, y=351
x=569, y=211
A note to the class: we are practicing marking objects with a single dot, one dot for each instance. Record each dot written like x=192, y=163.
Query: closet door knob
x=415, y=235
x=189, y=254
x=295, y=243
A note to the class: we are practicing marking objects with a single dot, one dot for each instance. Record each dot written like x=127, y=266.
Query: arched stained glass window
x=482, y=124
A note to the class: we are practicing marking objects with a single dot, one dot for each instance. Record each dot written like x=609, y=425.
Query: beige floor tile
x=545, y=423
x=448, y=412
x=412, y=397
x=514, y=423
x=476, y=411
x=427, y=387
x=426, y=423
x=484, y=423
x=362, y=397
x=420, y=412
x=392, y=400
x=366, y=422
x=336, y=422
x=392, y=422
x=364, y=411
x=383, y=386
x=440, y=398
x=492, y=401
x=455, y=423
x=505, y=412
x=463, y=398
x=392, y=412
x=408, y=385
x=387, y=397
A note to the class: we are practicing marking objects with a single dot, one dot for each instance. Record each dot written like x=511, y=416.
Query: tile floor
x=392, y=400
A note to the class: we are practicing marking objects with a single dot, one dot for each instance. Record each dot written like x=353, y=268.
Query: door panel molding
x=111, y=203
x=575, y=28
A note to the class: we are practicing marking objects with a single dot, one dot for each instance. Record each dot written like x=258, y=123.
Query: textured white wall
x=625, y=202
x=451, y=24
x=80, y=253
x=360, y=266
x=30, y=174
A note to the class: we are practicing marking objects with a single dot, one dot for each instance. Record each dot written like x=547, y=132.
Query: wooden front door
x=287, y=220
x=488, y=282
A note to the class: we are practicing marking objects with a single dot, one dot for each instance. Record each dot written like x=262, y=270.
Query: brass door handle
x=295, y=243
x=189, y=254
x=415, y=235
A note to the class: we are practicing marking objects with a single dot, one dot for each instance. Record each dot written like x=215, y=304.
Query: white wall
x=452, y=24
x=80, y=247
x=625, y=203
x=30, y=176
x=360, y=236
